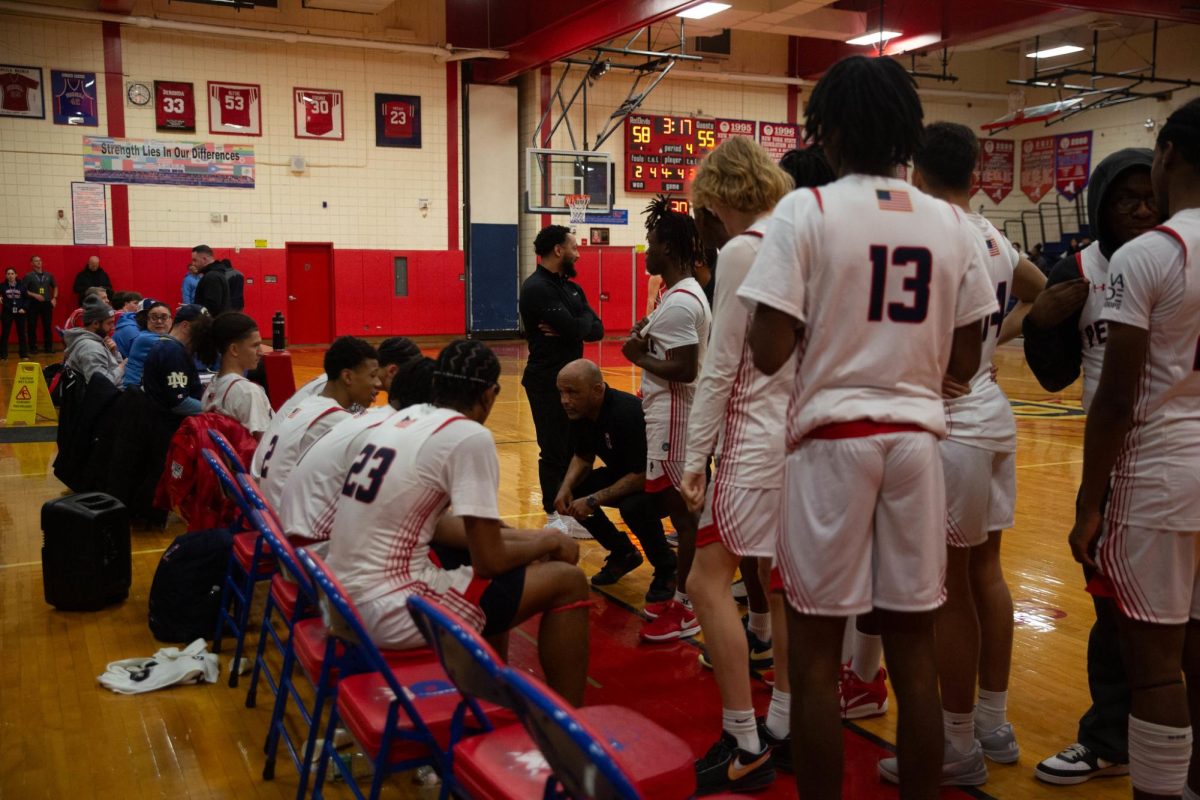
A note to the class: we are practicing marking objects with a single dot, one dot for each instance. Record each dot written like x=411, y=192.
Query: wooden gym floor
x=62, y=736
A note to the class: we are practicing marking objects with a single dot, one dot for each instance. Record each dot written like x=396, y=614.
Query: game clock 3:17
x=662, y=152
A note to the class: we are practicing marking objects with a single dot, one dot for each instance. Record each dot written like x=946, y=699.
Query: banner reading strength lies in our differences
x=108, y=160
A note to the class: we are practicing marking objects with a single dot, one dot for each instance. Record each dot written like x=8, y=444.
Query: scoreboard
x=662, y=152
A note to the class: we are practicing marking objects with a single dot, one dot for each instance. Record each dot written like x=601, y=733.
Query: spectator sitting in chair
x=127, y=305
x=170, y=376
x=75, y=319
x=152, y=325
x=88, y=348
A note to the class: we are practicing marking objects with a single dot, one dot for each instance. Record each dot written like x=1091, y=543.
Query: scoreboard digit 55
x=662, y=152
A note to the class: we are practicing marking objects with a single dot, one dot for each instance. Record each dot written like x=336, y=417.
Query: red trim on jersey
x=232, y=383
x=475, y=588
x=326, y=413
x=861, y=427
x=1079, y=263
x=756, y=234
x=447, y=422
x=660, y=484
x=708, y=535
x=1174, y=235
x=820, y=204
x=776, y=582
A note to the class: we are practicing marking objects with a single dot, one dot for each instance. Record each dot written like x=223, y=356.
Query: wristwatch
x=592, y=502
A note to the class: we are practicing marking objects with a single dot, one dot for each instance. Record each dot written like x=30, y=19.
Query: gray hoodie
x=87, y=355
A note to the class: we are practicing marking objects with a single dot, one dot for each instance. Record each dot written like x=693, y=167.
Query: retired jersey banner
x=1072, y=162
x=728, y=128
x=174, y=107
x=74, y=98
x=1037, y=167
x=235, y=108
x=397, y=120
x=996, y=162
x=318, y=114
x=170, y=163
x=779, y=137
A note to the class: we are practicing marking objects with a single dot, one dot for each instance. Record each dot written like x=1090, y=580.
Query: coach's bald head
x=581, y=389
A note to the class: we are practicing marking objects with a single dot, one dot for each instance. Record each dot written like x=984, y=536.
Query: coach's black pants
x=1104, y=728
x=553, y=438
x=45, y=312
x=640, y=512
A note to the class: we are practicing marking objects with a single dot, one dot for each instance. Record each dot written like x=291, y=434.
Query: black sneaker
x=727, y=768
x=662, y=587
x=616, y=567
x=781, y=749
x=1077, y=764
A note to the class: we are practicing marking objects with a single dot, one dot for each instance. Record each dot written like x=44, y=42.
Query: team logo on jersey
x=893, y=200
x=177, y=380
x=993, y=248
x=1116, y=292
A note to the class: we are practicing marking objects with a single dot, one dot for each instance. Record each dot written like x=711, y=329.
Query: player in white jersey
x=393, y=352
x=1142, y=456
x=882, y=290
x=352, y=371
x=737, y=416
x=408, y=470
x=975, y=626
x=1064, y=334
x=669, y=347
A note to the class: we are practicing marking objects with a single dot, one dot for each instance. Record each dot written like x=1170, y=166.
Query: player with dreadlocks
x=408, y=469
x=669, y=347
x=874, y=291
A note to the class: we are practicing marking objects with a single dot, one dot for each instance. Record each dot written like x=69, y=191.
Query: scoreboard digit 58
x=662, y=152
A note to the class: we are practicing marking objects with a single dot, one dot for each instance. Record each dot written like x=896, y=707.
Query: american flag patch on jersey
x=993, y=248
x=893, y=201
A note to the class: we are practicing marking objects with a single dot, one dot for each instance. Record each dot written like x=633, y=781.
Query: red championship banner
x=728, y=128
x=1037, y=167
x=174, y=107
x=779, y=137
x=1072, y=162
x=995, y=168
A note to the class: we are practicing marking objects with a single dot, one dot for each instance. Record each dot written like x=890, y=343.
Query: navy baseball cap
x=189, y=312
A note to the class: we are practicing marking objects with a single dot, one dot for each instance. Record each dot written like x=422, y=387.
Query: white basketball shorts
x=981, y=492
x=1152, y=574
x=746, y=521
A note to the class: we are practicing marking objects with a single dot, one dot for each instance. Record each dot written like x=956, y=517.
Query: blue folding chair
x=226, y=449
x=401, y=714
x=586, y=751
x=249, y=563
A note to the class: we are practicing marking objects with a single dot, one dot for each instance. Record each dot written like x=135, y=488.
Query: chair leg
x=271, y=748
x=326, y=752
x=313, y=728
x=224, y=607
x=259, y=663
x=243, y=618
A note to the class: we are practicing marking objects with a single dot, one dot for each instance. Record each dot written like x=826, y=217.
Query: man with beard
x=557, y=321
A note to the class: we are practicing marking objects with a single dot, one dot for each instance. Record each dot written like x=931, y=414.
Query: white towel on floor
x=168, y=667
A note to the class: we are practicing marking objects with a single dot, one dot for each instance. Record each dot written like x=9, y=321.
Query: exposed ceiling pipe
x=441, y=53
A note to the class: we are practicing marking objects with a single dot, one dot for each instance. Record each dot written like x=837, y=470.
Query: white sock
x=1158, y=757
x=868, y=652
x=682, y=599
x=760, y=626
x=779, y=718
x=990, y=710
x=742, y=726
x=960, y=730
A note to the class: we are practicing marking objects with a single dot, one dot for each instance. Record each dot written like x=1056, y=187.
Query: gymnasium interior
x=454, y=131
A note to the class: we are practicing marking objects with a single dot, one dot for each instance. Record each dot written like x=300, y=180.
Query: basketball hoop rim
x=577, y=205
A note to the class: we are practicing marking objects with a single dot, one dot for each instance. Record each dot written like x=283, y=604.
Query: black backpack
x=185, y=596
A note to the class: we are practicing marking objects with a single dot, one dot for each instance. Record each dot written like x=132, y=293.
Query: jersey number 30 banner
x=235, y=108
x=318, y=114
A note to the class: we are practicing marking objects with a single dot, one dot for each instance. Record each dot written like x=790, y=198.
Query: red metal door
x=310, y=293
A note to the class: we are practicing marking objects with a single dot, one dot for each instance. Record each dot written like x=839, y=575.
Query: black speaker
x=86, y=559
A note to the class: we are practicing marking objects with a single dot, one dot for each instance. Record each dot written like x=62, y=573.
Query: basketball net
x=577, y=204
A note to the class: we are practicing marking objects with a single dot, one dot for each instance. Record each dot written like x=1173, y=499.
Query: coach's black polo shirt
x=617, y=437
x=559, y=302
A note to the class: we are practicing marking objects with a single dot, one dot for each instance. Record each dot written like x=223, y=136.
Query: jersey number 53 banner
x=318, y=113
x=397, y=120
x=235, y=108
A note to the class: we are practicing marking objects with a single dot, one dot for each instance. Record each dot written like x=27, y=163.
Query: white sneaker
x=1077, y=764
x=958, y=769
x=568, y=525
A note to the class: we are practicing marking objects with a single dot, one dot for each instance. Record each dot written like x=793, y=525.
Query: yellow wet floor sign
x=30, y=398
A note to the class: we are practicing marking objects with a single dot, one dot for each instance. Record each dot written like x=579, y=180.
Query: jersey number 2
x=364, y=488
x=917, y=283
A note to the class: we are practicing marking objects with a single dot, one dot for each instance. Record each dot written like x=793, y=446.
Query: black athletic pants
x=11, y=321
x=1104, y=728
x=640, y=512
x=45, y=312
x=553, y=438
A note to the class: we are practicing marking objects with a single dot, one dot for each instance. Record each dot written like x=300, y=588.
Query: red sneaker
x=861, y=699
x=675, y=622
x=655, y=610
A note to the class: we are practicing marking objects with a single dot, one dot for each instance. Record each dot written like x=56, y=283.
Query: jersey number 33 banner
x=235, y=108
x=318, y=114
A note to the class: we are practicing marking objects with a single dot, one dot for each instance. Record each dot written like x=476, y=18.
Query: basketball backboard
x=551, y=176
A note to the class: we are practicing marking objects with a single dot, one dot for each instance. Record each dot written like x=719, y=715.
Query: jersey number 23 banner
x=397, y=120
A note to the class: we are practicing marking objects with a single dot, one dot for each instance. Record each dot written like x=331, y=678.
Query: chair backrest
x=229, y=486
x=465, y=655
x=582, y=761
x=227, y=450
x=266, y=523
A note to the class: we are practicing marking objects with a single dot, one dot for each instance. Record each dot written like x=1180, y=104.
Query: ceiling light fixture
x=876, y=37
x=1061, y=50
x=703, y=10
